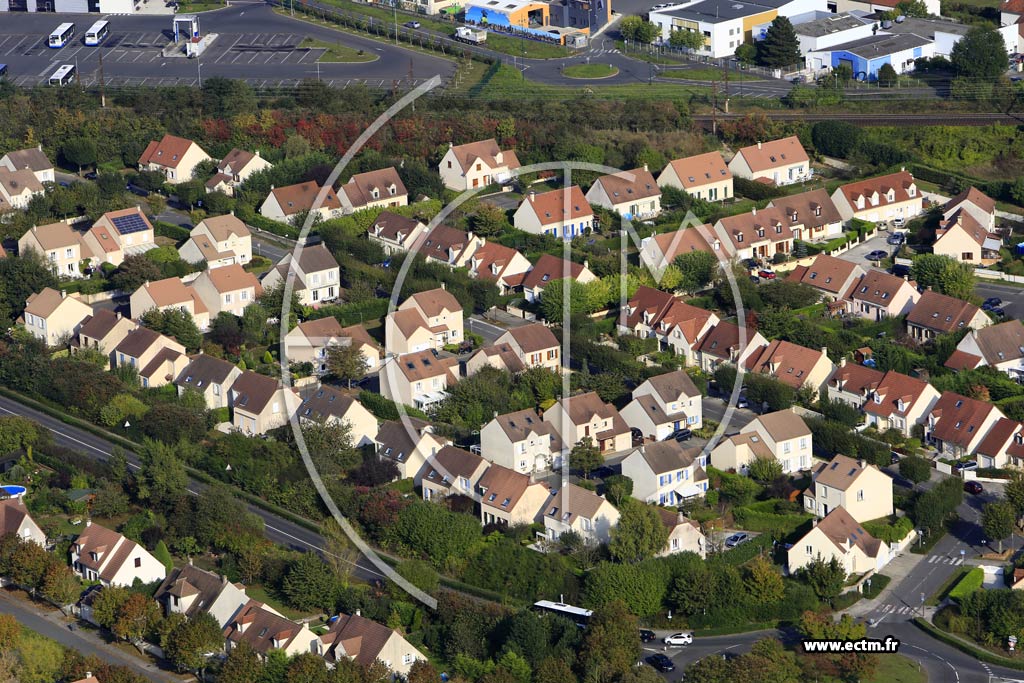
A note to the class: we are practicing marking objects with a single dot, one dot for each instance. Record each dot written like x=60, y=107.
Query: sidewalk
x=53, y=624
x=899, y=569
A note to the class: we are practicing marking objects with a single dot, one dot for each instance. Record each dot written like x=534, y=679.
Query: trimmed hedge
x=970, y=582
x=170, y=231
x=967, y=648
x=997, y=189
x=755, y=519
x=748, y=550
x=754, y=190
x=890, y=532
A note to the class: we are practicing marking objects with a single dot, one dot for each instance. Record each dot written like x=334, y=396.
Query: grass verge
x=335, y=52
x=966, y=647
x=897, y=669
x=590, y=71
x=705, y=74
x=938, y=596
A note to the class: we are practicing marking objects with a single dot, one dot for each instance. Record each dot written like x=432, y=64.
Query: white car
x=679, y=639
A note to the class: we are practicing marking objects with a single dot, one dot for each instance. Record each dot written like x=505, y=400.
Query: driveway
x=858, y=254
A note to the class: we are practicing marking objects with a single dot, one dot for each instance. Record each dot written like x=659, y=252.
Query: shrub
x=970, y=582
x=890, y=532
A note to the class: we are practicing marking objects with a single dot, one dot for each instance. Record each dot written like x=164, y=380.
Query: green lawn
x=705, y=74
x=590, y=71
x=506, y=82
x=897, y=669
x=204, y=6
x=336, y=52
x=260, y=593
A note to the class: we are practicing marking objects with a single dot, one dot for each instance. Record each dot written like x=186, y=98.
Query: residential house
x=117, y=234
x=852, y=383
x=793, y=365
x=54, y=317
x=759, y=234
x=962, y=237
x=157, y=359
x=863, y=490
x=317, y=275
x=535, y=345
x=426, y=320
x=838, y=536
x=475, y=165
x=666, y=472
x=260, y=403
x=501, y=356
x=1003, y=446
x=211, y=377
x=227, y=290
x=722, y=344
x=266, y=630
x=290, y=204
x=658, y=252
x=573, y=508
x=103, y=331
x=584, y=416
x=176, y=158
x=899, y=402
x=937, y=314
x=449, y=246
x=510, y=498
x=234, y=169
x=395, y=234
x=634, y=195
x=191, y=591
x=883, y=198
x=99, y=554
x=407, y=445
x=450, y=471
x=310, y=342
x=677, y=325
x=956, y=425
x=831, y=276
x=550, y=268
x=562, y=213
x=779, y=162
x=663, y=404
x=60, y=245
x=32, y=159
x=999, y=346
x=877, y=295
x=16, y=521
x=521, y=441
x=684, y=535
x=364, y=641
x=325, y=404
x=499, y=264
x=170, y=294
x=380, y=189
x=219, y=241
x=17, y=188
x=704, y=176
x=814, y=212
x=418, y=379
x=782, y=435
x=974, y=203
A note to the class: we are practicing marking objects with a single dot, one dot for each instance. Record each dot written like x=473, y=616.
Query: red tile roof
x=773, y=154
x=787, y=362
x=167, y=152
x=699, y=170
x=941, y=313
x=959, y=419
x=556, y=206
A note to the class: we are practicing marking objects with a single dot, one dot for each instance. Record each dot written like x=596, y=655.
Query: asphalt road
x=277, y=529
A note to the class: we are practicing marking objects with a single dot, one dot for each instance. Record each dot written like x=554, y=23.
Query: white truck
x=473, y=36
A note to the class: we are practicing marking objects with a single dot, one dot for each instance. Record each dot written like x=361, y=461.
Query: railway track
x=951, y=119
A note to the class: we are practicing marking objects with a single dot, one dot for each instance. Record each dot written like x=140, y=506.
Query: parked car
x=661, y=663
x=896, y=239
x=766, y=274
x=877, y=255
x=92, y=175
x=683, y=434
x=742, y=402
x=992, y=302
x=736, y=540
x=755, y=279
x=898, y=222
x=894, y=457
x=679, y=639
x=974, y=488
x=998, y=311
x=412, y=24
x=135, y=189
x=965, y=466
x=647, y=636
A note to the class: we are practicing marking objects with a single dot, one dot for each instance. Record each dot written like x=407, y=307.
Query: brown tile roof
x=233, y=278
x=394, y=441
x=262, y=628
x=854, y=378
x=688, y=318
x=783, y=425
x=502, y=488
x=106, y=241
x=358, y=638
x=408, y=321
x=677, y=242
x=550, y=268
x=359, y=334
x=671, y=385
x=360, y=188
x=423, y=365
x=138, y=341
x=999, y=437
x=434, y=302
x=787, y=362
x=320, y=329
x=564, y=204
x=754, y=442
x=56, y=236
x=974, y=196
x=827, y=273
x=32, y=159
x=160, y=363
x=107, y=544
x=533, y=337
x=509, y=358
x=625, y=186
x=877, y=287
x=668, y=456
x=17, y=182
x=647, y=306
x=958, y=418
x=12, y=514
x=842, y=529
x=168, y=292
x=721, y=340
x=941, y=313
x=315, y=258
x=1002, y=342
x=582, y=407
x=253, y=392
x=295, y=199
x=167, y=152
x=813, y=208
x=99, y=324
x=223, y=227
x=519, y=425
x=571, y=502
x=770, y=224
x=235, y=161
x=326, y=402
x=841, y=472
x=961, y=360
x=893, y=388
x=208, y=249
x=450, y=463
x=191, y=580
x=899, y=183
x=766, y=155
x=135, y=211
x=971, y=227
x=389, y=225
x=702, y=169
x=487, y=152
x=490, y=260
x=673, y=519
x=44, y=303
x=204, y=370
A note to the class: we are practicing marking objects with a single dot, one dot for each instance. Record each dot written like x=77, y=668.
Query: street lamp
x=199, y=71
x=922, y=604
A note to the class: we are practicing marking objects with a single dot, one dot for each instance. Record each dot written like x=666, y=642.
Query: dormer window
x=375, y=193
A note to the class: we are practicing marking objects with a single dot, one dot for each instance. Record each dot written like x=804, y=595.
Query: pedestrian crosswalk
x=944, y=559
x=898, y=609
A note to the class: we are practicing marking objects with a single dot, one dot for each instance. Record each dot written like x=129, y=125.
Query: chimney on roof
x=586, y=264
x=88, y=675
x=444, y=286
x=88, y=522
x=759, y=144
x=753, y=212
x=680, y=518
x=824, y=349
x=842, y=362
x=118, y=315
x=645, y=166
x=223, y=579
x=232, y=212
x=814, y=522
x=359, y=612
x=861, y=463
x=257, y=154
x=533, y=195
x=450, y=145
x=63, y=294
x=40, y=147
x=190, y=561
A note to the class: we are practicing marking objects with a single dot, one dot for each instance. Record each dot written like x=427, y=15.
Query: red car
x=766, y=274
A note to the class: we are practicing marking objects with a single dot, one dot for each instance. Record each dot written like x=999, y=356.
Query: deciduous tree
x=997, y=520
x=640, y=533
x=346, y=362
x=980, y=55
x=188, y=643
x=825, y=578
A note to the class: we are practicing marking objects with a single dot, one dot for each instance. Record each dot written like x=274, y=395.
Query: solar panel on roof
x=129, y=224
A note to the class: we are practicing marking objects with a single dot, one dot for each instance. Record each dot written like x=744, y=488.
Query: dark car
x=751, y=263
x=974, y=488
x=877, y=255
x=997, y=311
x=683, y=434
x=742, y=402
x=606, y=471
x=135, y=189
x=894, y=457
x=661, y=663
x=755, y=279
x=992, y=302
x=647, y=636
x=766, y=274
x=964, y=466
x=896, y=239
x=92, y=175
